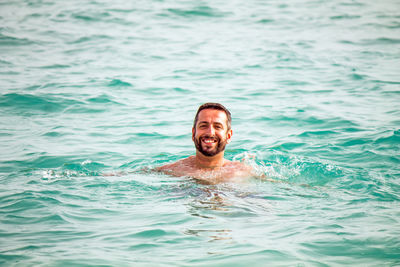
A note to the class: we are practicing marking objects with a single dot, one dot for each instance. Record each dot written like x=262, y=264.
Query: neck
x=212, y=162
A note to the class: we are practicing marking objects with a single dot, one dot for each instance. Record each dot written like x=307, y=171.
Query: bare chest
x=218, y=175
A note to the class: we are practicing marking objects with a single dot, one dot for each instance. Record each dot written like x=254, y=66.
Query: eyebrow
x=206, y=122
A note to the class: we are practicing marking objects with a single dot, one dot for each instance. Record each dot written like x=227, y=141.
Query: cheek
x=223, y=134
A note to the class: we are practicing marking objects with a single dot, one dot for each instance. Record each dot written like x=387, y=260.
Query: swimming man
x=211, y=132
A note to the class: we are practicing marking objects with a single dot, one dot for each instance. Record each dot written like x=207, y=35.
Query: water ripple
x=95, y=95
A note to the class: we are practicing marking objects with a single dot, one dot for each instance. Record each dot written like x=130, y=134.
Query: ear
x=193, y=133
x=229, y=136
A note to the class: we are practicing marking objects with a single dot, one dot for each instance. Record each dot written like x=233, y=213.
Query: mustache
x=215, y=138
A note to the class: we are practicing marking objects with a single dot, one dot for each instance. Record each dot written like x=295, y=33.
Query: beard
x=209, y=153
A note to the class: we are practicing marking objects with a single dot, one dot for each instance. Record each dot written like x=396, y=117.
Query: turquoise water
x=96, y=87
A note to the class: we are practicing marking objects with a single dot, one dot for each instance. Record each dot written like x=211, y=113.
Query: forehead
x=212, y=116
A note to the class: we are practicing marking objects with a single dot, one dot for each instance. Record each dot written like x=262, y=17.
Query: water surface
x=96, y=87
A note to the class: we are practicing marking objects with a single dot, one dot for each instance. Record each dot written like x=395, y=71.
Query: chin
x=209, y=153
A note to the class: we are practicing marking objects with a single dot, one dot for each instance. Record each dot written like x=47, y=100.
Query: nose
x=211, y=130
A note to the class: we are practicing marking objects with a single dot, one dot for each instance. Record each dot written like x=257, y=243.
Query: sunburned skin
x=230, y=171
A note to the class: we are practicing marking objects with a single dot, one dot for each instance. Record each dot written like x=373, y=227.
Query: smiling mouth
x=209, y=141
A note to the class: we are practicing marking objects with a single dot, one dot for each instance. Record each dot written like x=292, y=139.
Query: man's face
x=210, y=134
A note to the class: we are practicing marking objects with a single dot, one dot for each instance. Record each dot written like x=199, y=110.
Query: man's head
x=216, y=106
x=211, y=129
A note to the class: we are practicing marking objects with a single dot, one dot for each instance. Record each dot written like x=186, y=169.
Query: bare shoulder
x=240, y=166
x=166, y=167
x=251, y=171
x=173, y=167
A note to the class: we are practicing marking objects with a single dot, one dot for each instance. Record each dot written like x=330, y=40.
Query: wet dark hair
x=216, y=106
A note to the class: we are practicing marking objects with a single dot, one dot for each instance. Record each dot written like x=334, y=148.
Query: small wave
x=119, y=83
x=141, y=137
x=392, y=25
x=288, y=146
x=377, y=41
x=358, y=77
x=7, y=257
x=344, y=17
x=280, y=166
x=388, y=82
x=54, y=134
x=353, y=4
x=88, y=215
x=68, y=170
x=32, y=104
x=87, y=17
x=19, y=202
x=5, y=62
x=380, y=41
x=201, y=11
x=388, y=146
x=81, y=109
x=55, y=66
x=301, y=119
x=150, y=233
x=265, y=21
x=48, y=219
x=14, y=41
x=91, y=38
x=103, y=99
x=393, y=139
x=320, y=133
x=349, y=142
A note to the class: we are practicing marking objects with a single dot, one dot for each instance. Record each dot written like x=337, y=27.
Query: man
x=211, y=132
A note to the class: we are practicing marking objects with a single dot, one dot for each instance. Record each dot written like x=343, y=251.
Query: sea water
x=94, y=94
